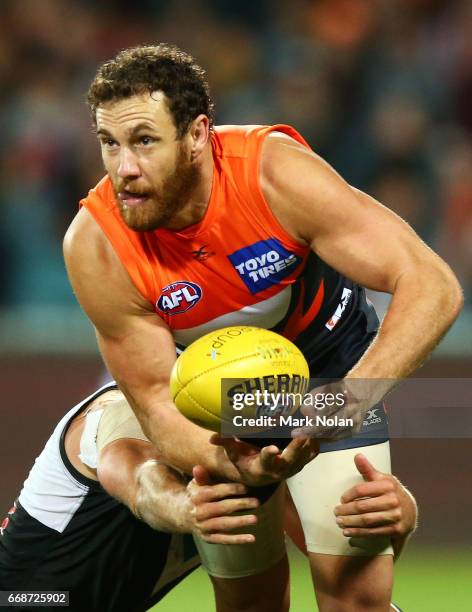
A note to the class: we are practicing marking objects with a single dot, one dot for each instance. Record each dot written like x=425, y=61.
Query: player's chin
x=143, y=219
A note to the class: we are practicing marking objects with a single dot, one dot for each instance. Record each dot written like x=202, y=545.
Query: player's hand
x=212, y=508
x=343, y=404
x=380, y=505
x=260, y=467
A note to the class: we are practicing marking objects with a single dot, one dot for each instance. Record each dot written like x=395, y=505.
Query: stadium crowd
x=382, y=89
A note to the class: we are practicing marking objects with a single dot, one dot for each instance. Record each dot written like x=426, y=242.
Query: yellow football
x=238, y=373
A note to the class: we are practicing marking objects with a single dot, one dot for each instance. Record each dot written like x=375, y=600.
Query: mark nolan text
x=292, y=421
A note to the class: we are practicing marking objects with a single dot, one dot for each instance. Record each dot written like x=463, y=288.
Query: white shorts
x=240, y=560
x=316, y=490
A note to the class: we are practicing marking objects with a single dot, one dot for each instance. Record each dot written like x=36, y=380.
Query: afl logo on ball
x=179, y=297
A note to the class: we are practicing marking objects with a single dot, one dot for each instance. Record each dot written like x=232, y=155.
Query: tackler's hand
x=213, y=507
x=379, y=506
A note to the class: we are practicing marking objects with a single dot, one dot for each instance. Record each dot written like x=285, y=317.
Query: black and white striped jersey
x=65, y=532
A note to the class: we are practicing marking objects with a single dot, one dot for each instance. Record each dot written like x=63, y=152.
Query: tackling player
x=75, y=524
x=102, y=517
x=196, y=227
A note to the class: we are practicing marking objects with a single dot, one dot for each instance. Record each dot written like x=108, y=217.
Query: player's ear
x=199, y=132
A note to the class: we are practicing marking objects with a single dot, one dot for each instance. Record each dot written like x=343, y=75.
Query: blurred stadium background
x=381, y=88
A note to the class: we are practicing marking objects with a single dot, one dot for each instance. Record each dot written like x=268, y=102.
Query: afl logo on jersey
x=179, y=297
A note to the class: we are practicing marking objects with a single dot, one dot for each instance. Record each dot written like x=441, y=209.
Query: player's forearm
x=161, y=498
x=425, y=303
x=183, y=444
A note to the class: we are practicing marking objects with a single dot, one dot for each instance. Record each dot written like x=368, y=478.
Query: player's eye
x=146, y=140
x=108, y=142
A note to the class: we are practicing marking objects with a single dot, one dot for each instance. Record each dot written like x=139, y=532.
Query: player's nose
x=128, y=166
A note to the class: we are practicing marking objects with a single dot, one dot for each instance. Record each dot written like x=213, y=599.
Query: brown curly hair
x=155, y=68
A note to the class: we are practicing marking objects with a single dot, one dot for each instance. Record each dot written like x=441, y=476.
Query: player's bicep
x=367, y=242
x=349, y=230
x=99, y=280
x=136, y=344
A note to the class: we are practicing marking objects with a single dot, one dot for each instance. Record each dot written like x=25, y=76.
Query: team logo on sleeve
x=341, y=307
x=263, y=264
x=179, y=297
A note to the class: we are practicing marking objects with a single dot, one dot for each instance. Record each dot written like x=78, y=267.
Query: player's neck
x=195, y=208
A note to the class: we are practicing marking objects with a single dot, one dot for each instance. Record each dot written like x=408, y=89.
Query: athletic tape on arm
x=118, y=421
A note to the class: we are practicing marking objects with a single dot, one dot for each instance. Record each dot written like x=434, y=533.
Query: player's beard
x=159, y=208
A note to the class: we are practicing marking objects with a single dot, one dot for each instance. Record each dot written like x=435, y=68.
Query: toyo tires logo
x=179, y=297
x=264, y=264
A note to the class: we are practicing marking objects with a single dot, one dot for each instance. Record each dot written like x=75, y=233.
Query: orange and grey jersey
x=239, y=266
